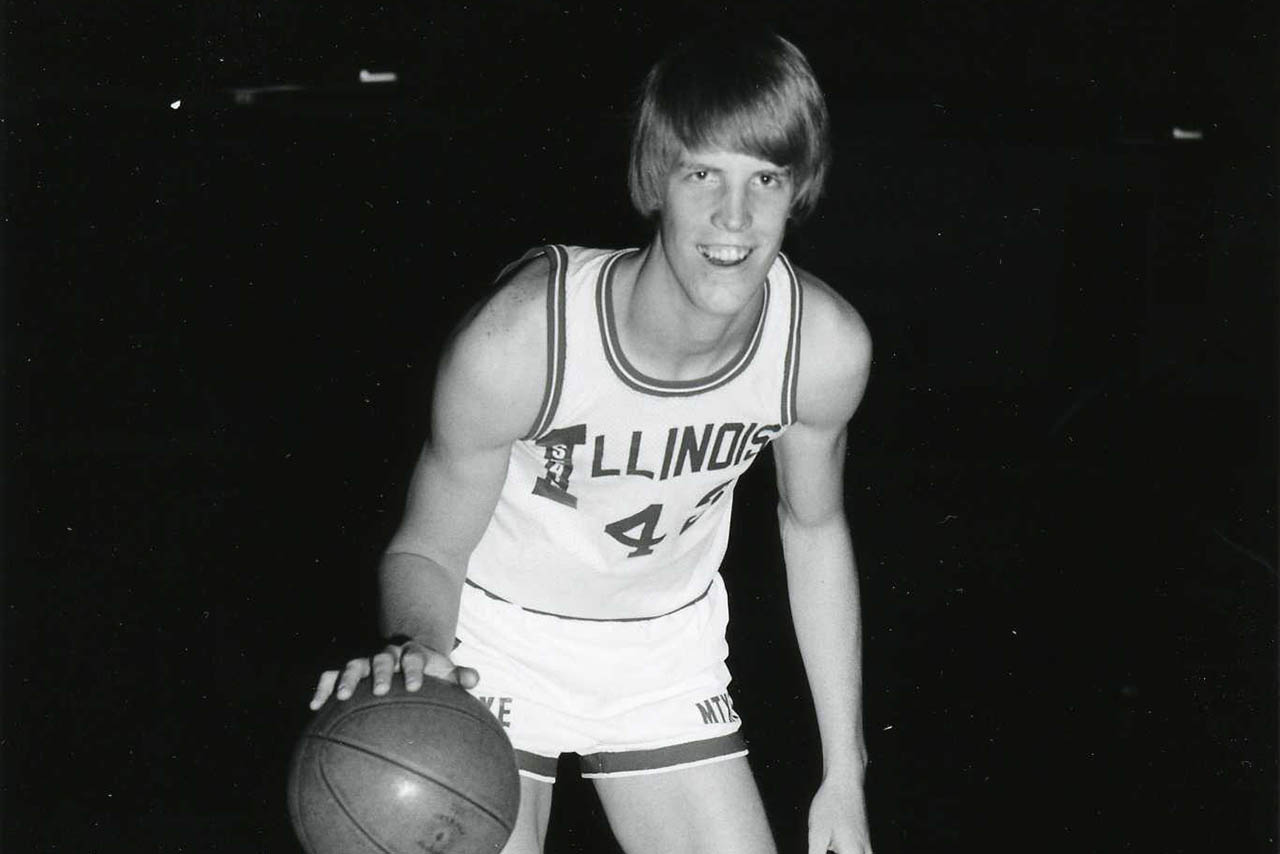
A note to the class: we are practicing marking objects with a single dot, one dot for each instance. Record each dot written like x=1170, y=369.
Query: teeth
x=725, y=254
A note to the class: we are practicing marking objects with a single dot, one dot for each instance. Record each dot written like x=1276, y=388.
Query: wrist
x=847, y=766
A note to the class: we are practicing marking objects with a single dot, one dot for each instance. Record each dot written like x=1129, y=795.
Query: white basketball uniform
x=593, y=607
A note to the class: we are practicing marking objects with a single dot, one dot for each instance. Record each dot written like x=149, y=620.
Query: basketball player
x=560, y=551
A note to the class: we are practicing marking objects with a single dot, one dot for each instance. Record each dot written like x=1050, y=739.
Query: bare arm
x=822, y=577
x=487, y=393
x=485, y=400
x=822, y=585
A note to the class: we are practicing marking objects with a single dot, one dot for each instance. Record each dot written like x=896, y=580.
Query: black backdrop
x=222, y=306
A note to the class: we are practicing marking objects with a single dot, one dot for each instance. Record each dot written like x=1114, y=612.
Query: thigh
x=703, y=809
x=531, y=822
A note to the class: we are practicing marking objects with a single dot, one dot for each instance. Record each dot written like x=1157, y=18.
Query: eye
x=699, y=175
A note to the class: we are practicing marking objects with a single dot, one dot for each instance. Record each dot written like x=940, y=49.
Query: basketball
x=405, y=773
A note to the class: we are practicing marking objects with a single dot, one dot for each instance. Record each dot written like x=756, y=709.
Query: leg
x=706, y=809
x=531, y=822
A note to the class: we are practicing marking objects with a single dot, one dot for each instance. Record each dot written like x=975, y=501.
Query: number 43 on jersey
x=639, y=531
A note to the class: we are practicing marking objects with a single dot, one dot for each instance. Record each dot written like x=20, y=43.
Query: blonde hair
x=751, y=94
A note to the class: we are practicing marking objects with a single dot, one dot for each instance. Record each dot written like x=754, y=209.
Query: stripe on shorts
x=536, y=766
x=632, y=762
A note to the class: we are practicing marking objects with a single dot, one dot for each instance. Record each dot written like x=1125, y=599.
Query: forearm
x=419, y=598
x=822, y=583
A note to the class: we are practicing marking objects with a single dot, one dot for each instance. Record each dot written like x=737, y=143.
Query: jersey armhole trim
x=791, y=364
x=558, y=256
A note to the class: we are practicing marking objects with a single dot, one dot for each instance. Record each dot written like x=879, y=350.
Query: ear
x=802, y=202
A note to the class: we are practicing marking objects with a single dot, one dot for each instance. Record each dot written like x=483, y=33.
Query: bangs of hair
x=754, y=96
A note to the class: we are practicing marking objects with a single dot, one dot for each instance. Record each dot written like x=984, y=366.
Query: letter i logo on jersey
x=558, y=448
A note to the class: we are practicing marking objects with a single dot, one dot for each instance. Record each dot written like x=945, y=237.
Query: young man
x=566, y=521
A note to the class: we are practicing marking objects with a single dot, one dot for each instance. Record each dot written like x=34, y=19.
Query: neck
x=662, y=332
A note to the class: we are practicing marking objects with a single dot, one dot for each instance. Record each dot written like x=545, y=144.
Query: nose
x=733, y=210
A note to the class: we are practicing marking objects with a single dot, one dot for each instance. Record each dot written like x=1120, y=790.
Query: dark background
x=220, y=323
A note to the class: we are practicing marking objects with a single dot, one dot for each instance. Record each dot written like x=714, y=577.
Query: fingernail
x=414, y=685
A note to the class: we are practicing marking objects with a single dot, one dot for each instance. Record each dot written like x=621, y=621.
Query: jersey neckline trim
x=641, y=382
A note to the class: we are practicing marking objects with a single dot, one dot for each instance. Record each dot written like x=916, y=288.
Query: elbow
x=817, y=518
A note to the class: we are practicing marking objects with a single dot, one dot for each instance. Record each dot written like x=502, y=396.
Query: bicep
x=810, y=466
x=451, y=497
x=487, y=394
x=834, y=366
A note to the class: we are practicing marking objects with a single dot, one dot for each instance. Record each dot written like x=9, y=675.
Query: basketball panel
x=402, y=811
x=320, y=822
x=441, y=743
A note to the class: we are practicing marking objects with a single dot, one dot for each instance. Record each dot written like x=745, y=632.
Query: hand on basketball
x=413, y=659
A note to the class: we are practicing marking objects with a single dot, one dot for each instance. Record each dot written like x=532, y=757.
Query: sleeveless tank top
x=616, y=505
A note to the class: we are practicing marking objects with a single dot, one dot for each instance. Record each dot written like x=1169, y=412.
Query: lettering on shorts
x=717, y=710
x=500, y=706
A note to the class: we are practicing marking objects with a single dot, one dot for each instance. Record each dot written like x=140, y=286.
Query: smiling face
x=723, y=218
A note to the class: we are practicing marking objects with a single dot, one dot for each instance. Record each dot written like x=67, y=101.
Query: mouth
x=724, y=255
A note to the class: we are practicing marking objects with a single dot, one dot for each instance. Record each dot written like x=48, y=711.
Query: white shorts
x=629, y=697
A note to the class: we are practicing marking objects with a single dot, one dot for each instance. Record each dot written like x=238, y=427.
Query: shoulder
x=514, y=306
x=494, y=367
x=835, y=354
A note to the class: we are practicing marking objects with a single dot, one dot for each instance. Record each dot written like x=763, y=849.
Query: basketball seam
x=351, y=818
x=419, y=771
x=486, y=719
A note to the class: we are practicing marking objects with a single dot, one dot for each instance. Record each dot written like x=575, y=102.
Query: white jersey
x=616, y=506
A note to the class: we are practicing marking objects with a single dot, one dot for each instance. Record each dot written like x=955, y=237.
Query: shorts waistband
x=688, y=604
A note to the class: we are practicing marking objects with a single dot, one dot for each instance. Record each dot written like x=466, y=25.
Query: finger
x=818, y=842
x=383, y=665
x=437, y=665
x=413, y=661
x=356, y=669
x=324, y=688
x=844, y=844
x=467, y=677
x=854, y=843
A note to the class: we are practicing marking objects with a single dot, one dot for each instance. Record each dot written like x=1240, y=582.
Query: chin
x=721, y=280
x=728, y=291
x=754, y=265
